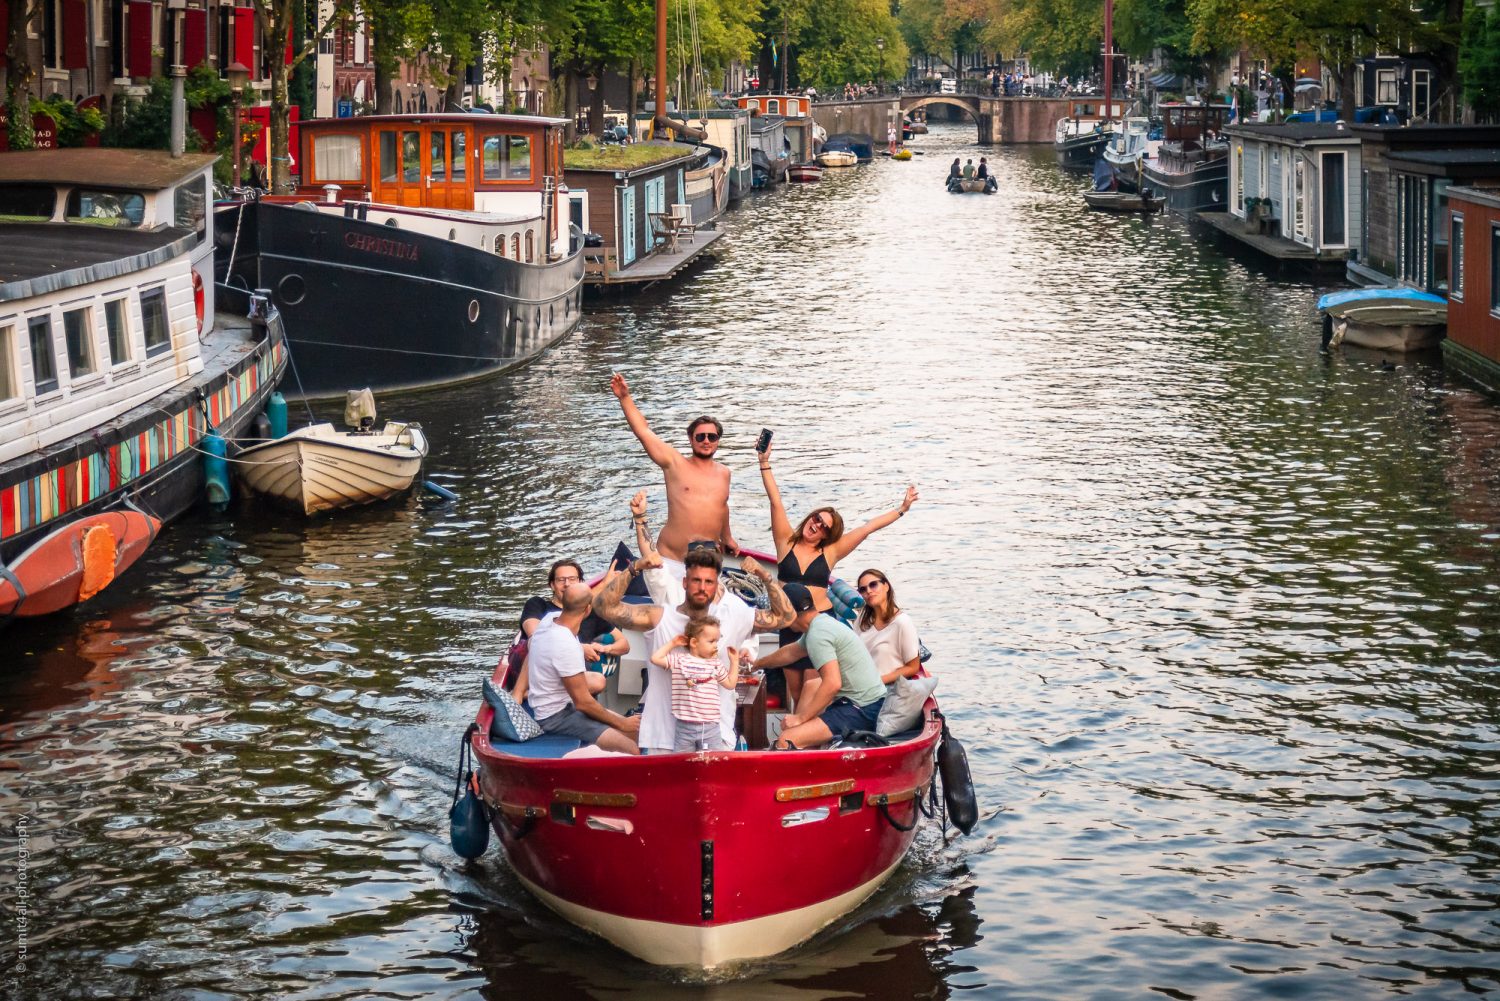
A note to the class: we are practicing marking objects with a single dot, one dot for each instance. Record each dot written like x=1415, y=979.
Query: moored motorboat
x=319, y=468
x=860, y=144
x=837, y=158
x=1122, y=201
x=1387, y=319
x=1079, y=138
x=804, y=173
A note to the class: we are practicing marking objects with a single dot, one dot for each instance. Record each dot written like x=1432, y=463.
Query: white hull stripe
x=708, y=946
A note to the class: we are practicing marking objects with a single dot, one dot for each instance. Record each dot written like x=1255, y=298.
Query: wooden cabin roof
x=38, y=258
x=142, y=169
x=475, y=118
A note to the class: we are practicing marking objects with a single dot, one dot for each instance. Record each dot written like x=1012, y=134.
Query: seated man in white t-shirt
x=559, y=694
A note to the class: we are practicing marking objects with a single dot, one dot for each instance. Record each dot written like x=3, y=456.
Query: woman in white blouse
x=888, y=633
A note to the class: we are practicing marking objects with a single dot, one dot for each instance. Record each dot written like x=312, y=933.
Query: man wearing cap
x=700, y=587
x=847, y=693
x=697, y=484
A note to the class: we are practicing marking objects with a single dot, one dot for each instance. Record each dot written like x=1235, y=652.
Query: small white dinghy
x=318, y=468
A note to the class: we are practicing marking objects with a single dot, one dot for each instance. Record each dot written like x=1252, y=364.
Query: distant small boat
x=1388, y=319
x=804, y=173
x=1120, y=201
x=901, y=154
x=317, y=468
x=971, y=185
x=837, y=158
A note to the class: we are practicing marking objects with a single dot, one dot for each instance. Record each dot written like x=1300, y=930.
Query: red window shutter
x=139, y=33
x=195, y=37
x=244, y=40
x=75, y=35
x=291, y=49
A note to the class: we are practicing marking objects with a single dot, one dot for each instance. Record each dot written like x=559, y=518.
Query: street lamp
x=239, y=76
x=592, y=81
x=880, y=46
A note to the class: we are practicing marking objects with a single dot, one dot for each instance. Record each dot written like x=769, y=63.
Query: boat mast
x=660, y=115
x=1109, y=60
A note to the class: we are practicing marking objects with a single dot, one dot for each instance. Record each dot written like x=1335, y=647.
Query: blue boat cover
x=1377, y=294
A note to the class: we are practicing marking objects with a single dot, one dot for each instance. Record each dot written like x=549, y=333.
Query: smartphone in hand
x=764, y=441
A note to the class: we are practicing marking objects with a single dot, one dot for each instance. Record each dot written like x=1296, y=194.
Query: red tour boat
x=670, y=856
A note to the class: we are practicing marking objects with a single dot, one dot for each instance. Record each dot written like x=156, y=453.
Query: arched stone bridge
x=999, y=119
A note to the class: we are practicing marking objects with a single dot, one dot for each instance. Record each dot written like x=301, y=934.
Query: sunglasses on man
x=709, y=436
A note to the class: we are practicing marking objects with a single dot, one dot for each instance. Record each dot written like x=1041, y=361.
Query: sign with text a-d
x=42, y=127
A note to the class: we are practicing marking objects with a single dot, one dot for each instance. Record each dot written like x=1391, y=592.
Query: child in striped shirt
x=697, y=671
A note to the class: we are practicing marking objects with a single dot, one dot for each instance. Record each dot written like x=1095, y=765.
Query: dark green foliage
x=74, y=124
x=1479, y=62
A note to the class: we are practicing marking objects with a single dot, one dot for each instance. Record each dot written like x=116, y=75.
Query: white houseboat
x=113, y=371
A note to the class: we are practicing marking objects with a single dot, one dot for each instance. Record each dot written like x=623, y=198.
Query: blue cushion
x=546, y=746
x=510, y=721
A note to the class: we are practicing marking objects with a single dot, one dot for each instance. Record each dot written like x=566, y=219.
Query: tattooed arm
x=610, y=606
x=780, y=614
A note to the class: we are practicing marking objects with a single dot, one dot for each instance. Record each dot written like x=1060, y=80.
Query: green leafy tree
x=19, y=72
x=1479, y=62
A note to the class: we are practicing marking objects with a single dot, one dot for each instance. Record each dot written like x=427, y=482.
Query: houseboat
x=114, y=375
x=802, y=136
x=769, y=158
x=635, y=199
x=418, y=250
x=1294, y=191
x=729, y=129
x=1404, y=222
x=1473, y=343
x=1079, y=138
x=1191, y=169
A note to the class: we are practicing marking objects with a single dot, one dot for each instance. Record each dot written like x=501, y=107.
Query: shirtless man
x=697, y=485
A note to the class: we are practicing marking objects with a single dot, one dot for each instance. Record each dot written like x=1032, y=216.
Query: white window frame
x=11, y=391
x=1322, y=209
x=129, y=347
x=1426, y=77
x=1387, y=78
x=1456, y=256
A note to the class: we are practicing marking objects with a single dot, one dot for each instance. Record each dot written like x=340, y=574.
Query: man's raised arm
x=660, y=452
x=609, y=603
x=780, y=614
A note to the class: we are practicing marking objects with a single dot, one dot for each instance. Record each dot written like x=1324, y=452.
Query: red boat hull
x=704, y=859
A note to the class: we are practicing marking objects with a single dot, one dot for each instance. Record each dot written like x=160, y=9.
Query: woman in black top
x=807, y=555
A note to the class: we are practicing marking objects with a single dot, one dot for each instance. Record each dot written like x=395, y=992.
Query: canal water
x=1215, y=615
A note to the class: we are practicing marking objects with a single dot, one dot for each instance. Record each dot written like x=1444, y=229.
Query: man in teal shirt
x=847, y=693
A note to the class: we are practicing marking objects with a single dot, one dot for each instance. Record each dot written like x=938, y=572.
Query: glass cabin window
x=119, y=332
x=78, y=331
x=507, y=158
x=106, y=208
x=390, y=163
x=340, y=158
x=1456, y=291
x=26, y=202
x=459, y=148
x=439, y=156
x=189, y=206
x=10, y=386
x=43, y=364
x=154, y=321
